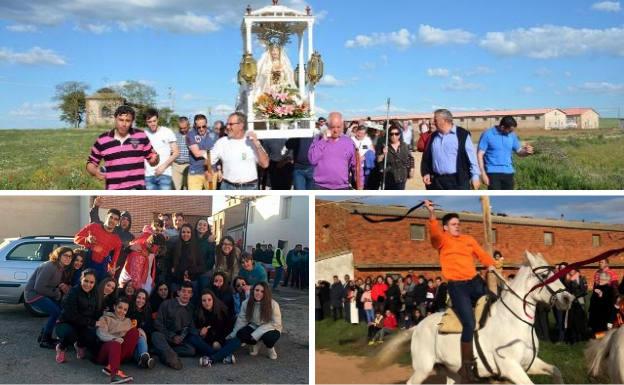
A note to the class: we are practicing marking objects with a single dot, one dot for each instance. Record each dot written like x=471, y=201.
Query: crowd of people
x=340, y=155
x=170, y=292
x=394, y=302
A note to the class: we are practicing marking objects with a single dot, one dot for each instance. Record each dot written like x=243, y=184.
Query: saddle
x=450, y=323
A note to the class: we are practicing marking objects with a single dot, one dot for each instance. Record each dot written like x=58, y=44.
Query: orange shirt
x=457, y=253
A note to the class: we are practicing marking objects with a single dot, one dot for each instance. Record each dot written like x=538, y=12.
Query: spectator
x=223, y=291
x=279, y=262
x=103, y=244
x=200, y=142
x=367, y=300
x=71, y=275
x=336, y=298
x=141, y=315
x=351, y=300
x=241, y=293
x=119, y=339
x=407, y=134
x=163, y=140
x=213, y=324
x=390, y=326
x=450, y=161
x=601, y=304
x=45, y=288
x=207, y=248
x=187, y=265
x=333, y=156
x=400, y=163
x=159, y=295
x=303, y=171
x=280, y=170
x=441, y=293
x=252, y=272
x=393, y=296
x=375, y=327
x=180, y=166
x=576, y=330
x=173, y=328
x=227, y=258
x=603, y=267
x=140, y=266
x=378, y=293
x=107, y=295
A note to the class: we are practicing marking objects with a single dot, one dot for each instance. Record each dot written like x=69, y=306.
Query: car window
x=35, y=251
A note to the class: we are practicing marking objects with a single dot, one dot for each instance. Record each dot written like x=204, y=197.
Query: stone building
x=101, y=106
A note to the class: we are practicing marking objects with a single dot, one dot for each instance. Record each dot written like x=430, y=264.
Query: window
x=537, y=117
x=524, y=118
x=107, y=112
x=461, y=120
x=417, y=232
x=549, y=238
x=494, y=236
x=473, y=119
x=596, y=240
x=285, y=209
x=35, y=251
x=485, y=119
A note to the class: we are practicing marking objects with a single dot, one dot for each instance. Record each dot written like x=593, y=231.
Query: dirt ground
x=332, y=368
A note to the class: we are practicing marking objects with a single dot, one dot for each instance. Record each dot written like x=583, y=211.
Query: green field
x=346, y=339
x=564, y=160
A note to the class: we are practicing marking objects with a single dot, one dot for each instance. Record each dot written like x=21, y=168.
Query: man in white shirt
x=363, y=142
x=165, y=144
x=239, y=153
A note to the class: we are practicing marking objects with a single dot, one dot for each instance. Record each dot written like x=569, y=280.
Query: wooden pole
x=492, y=282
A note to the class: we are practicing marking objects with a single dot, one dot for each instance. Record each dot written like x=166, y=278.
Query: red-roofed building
x=537, y=118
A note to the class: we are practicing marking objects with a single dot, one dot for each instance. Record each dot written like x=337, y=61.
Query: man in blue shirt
x=496, y=148
x=252, y=272
x=450, y=160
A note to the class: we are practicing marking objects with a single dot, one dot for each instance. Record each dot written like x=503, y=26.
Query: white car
x=19, y=257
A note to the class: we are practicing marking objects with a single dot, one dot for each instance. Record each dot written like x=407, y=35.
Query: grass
x=47, y=159
x=573, y=163
x=345, y=339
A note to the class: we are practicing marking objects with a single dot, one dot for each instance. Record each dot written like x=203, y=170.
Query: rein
x=397, y=219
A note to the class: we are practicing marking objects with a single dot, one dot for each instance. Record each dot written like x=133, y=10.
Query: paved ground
x=23, y=361
x=416, y=183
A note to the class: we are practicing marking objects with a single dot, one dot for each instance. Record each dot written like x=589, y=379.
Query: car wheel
x=34, y=311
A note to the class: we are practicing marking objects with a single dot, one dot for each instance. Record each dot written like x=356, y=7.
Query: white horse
x=507, y=340
x=606, y=356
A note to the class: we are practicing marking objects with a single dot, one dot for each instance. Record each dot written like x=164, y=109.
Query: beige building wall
x=480, y=123
x=94, y=111
x=338, y=265
x=555, y=120
x=589, y=120
x=34, y=215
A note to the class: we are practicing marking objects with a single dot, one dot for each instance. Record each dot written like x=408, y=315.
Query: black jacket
x=80, y=308
x=463, y=162
x=336, y=294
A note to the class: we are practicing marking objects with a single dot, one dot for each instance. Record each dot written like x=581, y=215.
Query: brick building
x=347, y=244
x=144, y=208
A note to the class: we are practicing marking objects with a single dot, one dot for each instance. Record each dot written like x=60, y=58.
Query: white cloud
x=438, y=72
x=35, y=55
x=182, y=16
x=395, y=109
x=21, y=28
x=401, y=39
x=368, y=66
x=528, y=90
x=543, y=72
x=549, y=42
x=607, y=6
x=480, y=70
x=600, y=87
x=436, y=36
x=222, y=109
x=459, y=84
x=35, y=111
x=97, y=29
x=331, y=81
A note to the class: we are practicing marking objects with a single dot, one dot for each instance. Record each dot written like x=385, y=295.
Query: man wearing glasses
x=239, y=152
x=199, y=143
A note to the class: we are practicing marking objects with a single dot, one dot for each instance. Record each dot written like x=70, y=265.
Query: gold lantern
x=248, y=69
x=314, y=71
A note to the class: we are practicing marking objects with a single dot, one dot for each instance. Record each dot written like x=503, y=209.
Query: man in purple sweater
x=333, y=156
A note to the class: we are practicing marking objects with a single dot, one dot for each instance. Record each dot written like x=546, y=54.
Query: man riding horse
x=465, y=286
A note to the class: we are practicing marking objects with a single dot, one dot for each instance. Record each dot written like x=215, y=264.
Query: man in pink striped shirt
x=123, y=150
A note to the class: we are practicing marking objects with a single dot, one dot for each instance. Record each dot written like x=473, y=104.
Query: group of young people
x=166, y=293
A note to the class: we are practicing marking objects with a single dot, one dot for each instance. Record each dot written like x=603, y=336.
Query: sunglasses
x=202, y=126
x=395, y=134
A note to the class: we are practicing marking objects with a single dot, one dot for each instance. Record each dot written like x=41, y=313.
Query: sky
x=604, y=209
x=423, y=55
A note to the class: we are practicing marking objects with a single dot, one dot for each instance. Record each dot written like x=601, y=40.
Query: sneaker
x=380, y=342
x=146, y=361
x=371, y=343
x=80, y=352
x=60, y=354
x=47, y=342
x=229, y=360
x=254, y=349
x=107, y=370
x=205, y=362
x=121, y=378
x=272, y=353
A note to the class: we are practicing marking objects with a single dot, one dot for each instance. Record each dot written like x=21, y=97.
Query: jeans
x=228, y=186
x=303, y=177
x=141, y=347
x=278, y=276
x=370, y=315
x=161, y=182
x=68, y=334
x=47, y=305
x=463, y=295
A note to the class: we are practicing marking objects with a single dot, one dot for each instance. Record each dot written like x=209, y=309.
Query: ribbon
x=573, y=266
x=397, y=219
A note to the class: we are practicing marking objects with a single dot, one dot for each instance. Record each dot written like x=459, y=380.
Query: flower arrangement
x=284, y=104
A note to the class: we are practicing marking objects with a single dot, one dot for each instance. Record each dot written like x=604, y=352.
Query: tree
x=139, y=95
x=71, y=97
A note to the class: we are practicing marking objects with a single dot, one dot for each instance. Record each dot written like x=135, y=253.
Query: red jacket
x=105, y=242
x=378, y=289
x=390, y=322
